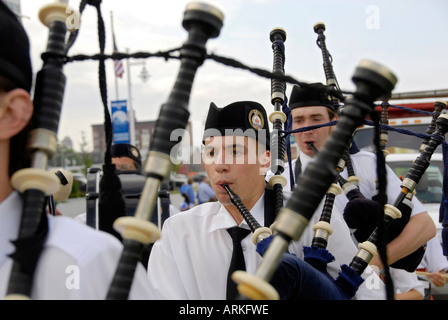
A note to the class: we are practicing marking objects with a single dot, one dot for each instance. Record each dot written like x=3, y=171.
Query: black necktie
x=237, y=262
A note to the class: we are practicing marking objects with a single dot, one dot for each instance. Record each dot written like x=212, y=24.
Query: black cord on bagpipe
x=111, y=203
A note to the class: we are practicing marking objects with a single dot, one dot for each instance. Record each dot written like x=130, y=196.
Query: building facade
x=144, y=131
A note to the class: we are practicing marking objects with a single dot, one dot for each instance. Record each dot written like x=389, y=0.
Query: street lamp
x=144, y=75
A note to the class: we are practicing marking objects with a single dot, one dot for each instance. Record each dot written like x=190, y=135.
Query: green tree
x=64, y=156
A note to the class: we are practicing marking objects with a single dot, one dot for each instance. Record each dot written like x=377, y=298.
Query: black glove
x=361, y=214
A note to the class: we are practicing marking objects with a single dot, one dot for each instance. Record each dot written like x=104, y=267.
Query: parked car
x=81, y=181
x=429, y=192
x=429, y=189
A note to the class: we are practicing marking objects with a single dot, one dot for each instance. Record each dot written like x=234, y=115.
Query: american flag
x=118, y=65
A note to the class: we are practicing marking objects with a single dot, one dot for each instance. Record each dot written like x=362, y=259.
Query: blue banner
x=120, y=121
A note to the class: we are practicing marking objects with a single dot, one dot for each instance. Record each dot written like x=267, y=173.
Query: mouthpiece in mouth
x=311, y=145
x=226, y=187
x=233, y=197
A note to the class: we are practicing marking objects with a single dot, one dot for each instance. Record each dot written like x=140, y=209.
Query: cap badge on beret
x=134, y=152
x=256, y=119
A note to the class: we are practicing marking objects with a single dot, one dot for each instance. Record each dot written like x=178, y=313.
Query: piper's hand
x=437, y=278
x=361, y=214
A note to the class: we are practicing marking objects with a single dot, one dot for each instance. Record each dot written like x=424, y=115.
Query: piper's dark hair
x=6, y=84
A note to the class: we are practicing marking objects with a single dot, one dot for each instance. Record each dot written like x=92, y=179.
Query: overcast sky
x=407, y=36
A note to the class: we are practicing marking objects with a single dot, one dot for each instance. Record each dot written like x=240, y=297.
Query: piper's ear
x=16, y=109
x=265, y=161
x=336, y=117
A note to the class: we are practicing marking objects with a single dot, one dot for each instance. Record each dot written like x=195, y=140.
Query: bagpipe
x=331, y=80
x=35, y=183
x=372, y=81
x=132, y=183
x=294, y=278
x=439, y=106
x=65, y=187
x=367, y=249
x=403, y=203
x=360, y=211
x=278, y=118
x=202, y=22
x=317, y=254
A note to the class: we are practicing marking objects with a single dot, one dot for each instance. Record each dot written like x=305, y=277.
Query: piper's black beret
x=244, y=118
x=126, y=150
x=311, y=95
x=15, y=62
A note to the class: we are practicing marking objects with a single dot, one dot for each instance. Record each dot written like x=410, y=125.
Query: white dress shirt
x=192, y=258
x=434, y=260
x=77, y=262
x=405, y=281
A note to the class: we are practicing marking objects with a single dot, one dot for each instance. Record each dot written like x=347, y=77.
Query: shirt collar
x=10, y=212
x=305, y=160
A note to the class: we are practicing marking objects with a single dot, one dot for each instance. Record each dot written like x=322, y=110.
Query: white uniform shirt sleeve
x=434, y=260
x=162, y=272
x=192, y=257
x=77, y=262
x=364, y=165
x=405, y=281
x=81, y=264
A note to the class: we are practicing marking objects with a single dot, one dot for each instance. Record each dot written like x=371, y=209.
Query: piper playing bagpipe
x=39, y=251
x=365, y=224
x=373, y=81
x=316, y=254
x=367, y=248
x=192, y=259
x=354, y=194
x=311, y=106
